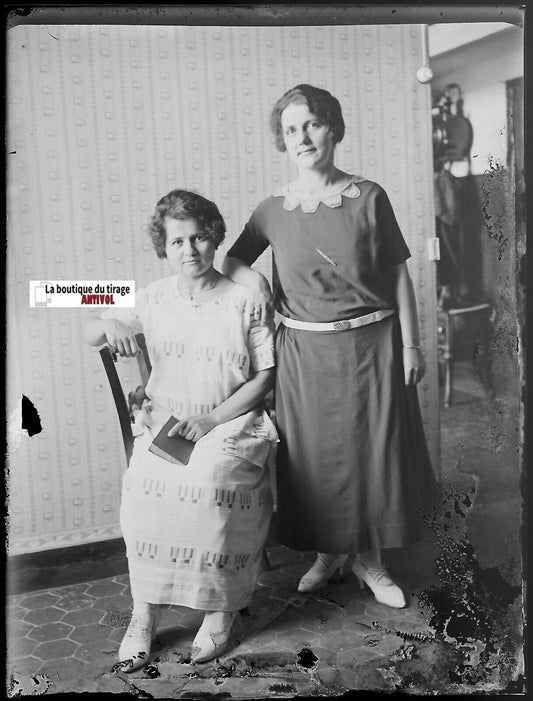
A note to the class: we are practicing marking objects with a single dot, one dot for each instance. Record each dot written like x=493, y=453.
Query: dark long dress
x=352, y=461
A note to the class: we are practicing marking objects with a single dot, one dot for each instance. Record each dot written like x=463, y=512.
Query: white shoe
x=324, y=568
x=212, y=638
x=380, y=584
x=135, y=647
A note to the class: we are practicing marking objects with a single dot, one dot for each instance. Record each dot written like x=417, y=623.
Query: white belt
x=342, y=325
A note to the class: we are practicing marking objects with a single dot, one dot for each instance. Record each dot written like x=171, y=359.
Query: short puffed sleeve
x=393, y=247
x=132, y=317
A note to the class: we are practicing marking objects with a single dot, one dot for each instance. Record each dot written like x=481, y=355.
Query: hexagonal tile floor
x=285, y=644
x=66, y=638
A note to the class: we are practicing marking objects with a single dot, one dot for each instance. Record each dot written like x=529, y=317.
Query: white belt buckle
x=342, y=325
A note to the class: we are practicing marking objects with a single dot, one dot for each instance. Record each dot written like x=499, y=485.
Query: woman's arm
x=239, y=272
x=242, y=274
x=413, y=359
x=114, y=333
x=244, y=399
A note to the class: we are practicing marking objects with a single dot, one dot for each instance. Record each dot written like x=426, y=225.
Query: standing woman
x=353, y=467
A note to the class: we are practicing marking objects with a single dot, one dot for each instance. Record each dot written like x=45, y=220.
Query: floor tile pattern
x=68, y=637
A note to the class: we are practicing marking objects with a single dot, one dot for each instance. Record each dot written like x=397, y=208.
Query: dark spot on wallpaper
x=31, y=421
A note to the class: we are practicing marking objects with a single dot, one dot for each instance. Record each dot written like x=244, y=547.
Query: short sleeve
x=394, y=249
x=132, y=317
x=261, y=344
x=252, y=242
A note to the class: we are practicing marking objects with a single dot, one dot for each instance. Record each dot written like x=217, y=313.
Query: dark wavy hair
x=185, y=204
x=320, y=102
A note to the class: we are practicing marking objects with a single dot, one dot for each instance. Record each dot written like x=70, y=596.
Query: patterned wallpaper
x=102, y=121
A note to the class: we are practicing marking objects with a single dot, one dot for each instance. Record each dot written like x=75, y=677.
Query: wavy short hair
x=185, y=204
x=320, y=102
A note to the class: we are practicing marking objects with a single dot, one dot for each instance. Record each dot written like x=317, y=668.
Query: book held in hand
x=176, y=449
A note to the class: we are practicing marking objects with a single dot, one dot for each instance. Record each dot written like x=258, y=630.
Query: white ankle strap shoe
x=325, y=567
x=134, y=649
x=212, y=638
x=380, y=584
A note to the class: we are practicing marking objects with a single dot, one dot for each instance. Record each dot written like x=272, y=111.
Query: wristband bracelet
x=411, y=346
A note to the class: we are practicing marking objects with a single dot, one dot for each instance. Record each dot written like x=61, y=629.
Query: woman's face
x=309, y=142
x=189, y=250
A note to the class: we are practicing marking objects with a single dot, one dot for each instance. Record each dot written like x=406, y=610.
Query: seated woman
x=195, y=533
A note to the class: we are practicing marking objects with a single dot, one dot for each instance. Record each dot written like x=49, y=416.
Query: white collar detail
x=311, y=205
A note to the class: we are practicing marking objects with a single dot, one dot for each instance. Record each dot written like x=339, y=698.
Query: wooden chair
x=109, y=359
x=464, y=334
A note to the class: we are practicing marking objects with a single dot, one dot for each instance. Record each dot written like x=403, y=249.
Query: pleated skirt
x=353, y=469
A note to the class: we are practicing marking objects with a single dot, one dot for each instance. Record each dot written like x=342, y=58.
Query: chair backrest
x=469, y=327
x=109, y=358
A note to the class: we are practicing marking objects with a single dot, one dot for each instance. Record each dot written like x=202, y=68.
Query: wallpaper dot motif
x=103, y=121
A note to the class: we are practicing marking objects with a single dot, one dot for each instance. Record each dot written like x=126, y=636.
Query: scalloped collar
x=311, y=205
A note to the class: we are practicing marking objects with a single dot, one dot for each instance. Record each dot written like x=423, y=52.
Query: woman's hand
x=120, y=338
x=242, y=274
x=245, y=398
x=193, y=427
x=414, y=365
x=413, y=360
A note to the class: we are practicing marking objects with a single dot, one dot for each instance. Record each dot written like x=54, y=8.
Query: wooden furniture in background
x=464, y=334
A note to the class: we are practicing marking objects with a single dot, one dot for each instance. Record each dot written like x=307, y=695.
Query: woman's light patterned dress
x=195, y=533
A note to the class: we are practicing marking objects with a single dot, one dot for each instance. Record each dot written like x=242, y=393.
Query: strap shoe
x=135, y=647
x=380, y=584
x=211, y=640
x=325, y=567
